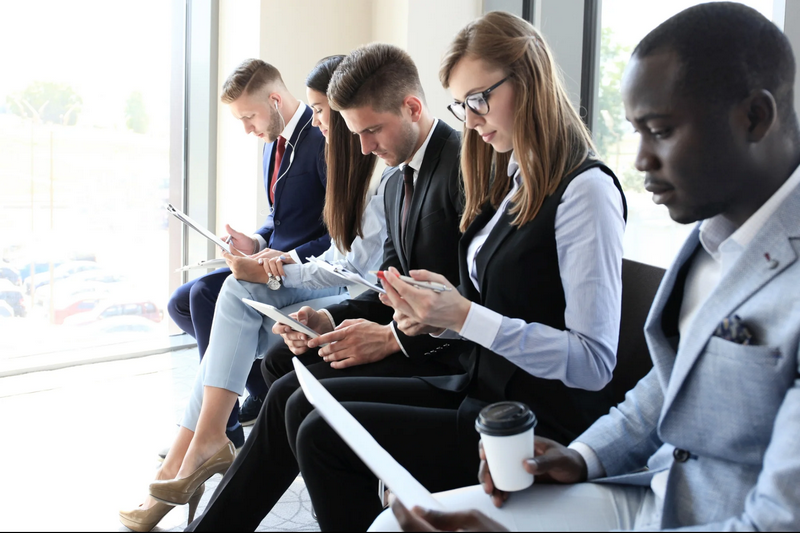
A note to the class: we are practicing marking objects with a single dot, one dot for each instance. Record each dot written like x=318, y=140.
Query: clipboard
x=345, y=274
x=183, y=217
x=403, y=485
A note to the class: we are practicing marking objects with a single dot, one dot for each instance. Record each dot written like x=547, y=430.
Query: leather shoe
x=143, y=520
x=179, y=491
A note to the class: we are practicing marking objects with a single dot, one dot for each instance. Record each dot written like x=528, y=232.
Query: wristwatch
x=274, y=283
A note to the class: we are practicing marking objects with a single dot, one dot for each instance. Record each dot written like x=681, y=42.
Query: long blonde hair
x=549, y=138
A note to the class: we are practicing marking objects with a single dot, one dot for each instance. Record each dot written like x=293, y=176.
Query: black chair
x=639, y=285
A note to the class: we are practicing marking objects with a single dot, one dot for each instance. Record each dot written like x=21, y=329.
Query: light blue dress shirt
x=588, y=229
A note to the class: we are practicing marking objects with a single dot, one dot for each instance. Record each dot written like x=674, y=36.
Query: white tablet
x=280, y=317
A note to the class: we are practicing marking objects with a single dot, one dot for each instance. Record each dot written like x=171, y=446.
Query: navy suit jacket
x=295, y=220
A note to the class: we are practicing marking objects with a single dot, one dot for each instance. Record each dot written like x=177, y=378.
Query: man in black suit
x=377, y=91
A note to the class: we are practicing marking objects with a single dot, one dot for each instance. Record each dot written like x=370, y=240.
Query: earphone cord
x=291, y=157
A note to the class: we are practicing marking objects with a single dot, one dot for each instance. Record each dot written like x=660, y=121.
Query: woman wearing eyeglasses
x=540, y=285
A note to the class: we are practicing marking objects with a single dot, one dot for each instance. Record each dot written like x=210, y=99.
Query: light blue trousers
x=240, y=334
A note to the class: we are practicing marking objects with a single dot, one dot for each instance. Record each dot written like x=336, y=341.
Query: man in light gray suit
x=710, y=438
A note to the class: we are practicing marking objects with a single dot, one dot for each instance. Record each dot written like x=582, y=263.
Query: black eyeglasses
x=477, y=102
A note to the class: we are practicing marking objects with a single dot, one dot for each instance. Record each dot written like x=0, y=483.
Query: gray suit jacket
x=734, y=408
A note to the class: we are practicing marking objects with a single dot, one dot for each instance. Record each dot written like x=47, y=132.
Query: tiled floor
x=79, y=444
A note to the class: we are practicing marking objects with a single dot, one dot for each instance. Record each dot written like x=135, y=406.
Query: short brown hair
x=248, y=78
x=379, y=75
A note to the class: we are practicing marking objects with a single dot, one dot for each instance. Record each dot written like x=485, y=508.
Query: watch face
x=274, y=283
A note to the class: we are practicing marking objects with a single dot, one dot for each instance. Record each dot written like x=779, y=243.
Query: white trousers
x=580, y=507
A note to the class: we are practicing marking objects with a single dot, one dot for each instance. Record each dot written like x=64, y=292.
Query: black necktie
x=408, y=183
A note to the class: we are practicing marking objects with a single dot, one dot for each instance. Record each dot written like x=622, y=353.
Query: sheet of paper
x=209, y=263
x=183, y=217
x=402, y=484
x=345, y=274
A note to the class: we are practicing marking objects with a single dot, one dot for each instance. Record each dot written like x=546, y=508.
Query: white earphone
x=291, y=156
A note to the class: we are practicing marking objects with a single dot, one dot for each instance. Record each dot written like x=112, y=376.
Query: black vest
x=519, y=277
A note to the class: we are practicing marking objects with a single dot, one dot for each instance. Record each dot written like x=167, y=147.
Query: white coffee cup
x=506, y=430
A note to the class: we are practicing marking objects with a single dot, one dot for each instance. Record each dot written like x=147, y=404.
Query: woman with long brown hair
x=356, y=223
x=540, y=283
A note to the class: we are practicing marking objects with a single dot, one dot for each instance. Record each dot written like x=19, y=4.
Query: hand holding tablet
x=280, y=317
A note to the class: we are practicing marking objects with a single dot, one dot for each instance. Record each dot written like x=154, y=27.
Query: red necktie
x=279, y=149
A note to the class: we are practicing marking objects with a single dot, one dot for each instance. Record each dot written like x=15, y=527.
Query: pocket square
x=733, y=329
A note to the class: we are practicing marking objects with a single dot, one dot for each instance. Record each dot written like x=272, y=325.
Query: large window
x=84, y=172
x=651, y=236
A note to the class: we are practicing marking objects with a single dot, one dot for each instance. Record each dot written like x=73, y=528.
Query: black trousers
x=416, y=423
x=266, y=466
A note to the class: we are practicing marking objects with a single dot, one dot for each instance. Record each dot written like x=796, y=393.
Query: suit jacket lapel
x=300, y=131
x=467, y=289
x=502, y=230
x=658, y=342
x=744, y=278
x=429, y=163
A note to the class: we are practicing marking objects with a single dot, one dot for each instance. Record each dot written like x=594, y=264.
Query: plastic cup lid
x=504, y=419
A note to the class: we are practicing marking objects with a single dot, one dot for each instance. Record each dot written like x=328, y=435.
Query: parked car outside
x=12, y=295
x=80, y=304
x=39, y=266
x=10, y=273
x=5, y=310
x=60, y=272
x=105, y=310
x=100, y=281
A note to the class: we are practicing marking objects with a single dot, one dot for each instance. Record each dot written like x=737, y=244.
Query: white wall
x=238, y=155
x=432, y=26
x=293, y=36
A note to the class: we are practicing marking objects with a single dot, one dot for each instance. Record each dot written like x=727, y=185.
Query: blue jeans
x=240, y=334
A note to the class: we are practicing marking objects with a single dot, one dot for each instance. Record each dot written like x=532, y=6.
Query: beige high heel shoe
x=178, y=491
x=143, y=520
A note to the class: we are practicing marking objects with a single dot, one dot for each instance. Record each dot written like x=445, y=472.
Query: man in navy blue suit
x=294, y=177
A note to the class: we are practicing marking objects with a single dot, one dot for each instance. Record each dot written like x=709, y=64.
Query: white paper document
x=345, y=274
x=208, y=263
x=403, y=485
x=183, y=217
